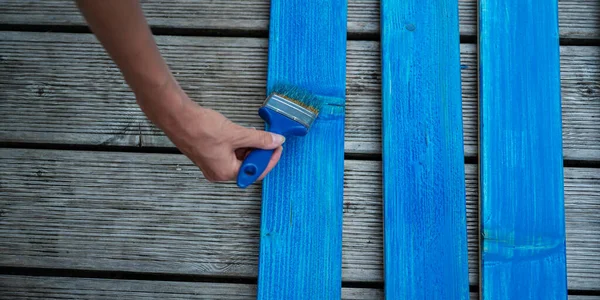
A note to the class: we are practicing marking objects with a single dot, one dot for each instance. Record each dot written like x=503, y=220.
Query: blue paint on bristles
x=299, y=96
x=289, y=111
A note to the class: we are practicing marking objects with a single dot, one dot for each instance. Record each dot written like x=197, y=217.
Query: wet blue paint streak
x=301, y=224
x=522, y=218
x=425, y=232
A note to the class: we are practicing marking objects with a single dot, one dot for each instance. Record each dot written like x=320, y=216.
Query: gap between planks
x=155, y=213
x=579, y=19
x=63, y=89
x=34, y=287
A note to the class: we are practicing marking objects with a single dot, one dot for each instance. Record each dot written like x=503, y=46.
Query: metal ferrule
x=290, y=109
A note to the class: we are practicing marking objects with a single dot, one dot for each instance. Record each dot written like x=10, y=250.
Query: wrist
x=165, y=104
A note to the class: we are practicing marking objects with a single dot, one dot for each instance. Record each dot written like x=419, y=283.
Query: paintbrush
x=288, y=111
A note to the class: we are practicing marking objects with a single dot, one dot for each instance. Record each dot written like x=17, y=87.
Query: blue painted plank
x=425, y=232
x=301, y=223
x=522, y=219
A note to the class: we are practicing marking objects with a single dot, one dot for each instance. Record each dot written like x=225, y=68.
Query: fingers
x=217, y=145
x=272, y=163
x=274, y=159
x=221, y=160
x=252, y=138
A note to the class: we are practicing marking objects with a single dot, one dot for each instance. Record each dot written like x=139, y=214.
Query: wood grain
x=578, y=18
x=302, y=200
x=522, y=213
x=62, y=88
x=38, y=287
x=28, y=287
x=155, y=213
x=423, y=159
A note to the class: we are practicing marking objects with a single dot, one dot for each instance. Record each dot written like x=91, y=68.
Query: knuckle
x=266, y=138
x=222, y=176
x=209, y=177
x=208, y=174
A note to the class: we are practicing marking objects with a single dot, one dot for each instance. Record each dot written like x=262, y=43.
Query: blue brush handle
x=253, y=166
x=256, y=162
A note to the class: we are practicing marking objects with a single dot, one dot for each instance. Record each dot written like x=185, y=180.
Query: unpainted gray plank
x=27, y=287
x=62, y=88
x=40, y=287
x=155, y=213
x=579, y=19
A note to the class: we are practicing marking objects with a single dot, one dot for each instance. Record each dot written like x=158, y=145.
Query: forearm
x=208, y=138
x=121, y=28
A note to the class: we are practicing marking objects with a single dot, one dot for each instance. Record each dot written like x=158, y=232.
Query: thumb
x=252, y=138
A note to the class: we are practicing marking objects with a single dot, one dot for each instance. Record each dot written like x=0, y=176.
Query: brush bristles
x=299, y=96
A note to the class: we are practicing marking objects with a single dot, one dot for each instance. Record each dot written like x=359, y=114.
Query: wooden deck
x=94, y=202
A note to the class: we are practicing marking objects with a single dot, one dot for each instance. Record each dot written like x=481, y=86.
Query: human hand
x=210, y=140
x=214, y=143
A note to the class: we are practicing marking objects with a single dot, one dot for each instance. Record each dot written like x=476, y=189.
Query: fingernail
x=278, y=139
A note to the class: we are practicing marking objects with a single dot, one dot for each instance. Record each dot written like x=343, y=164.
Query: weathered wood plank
x=578, y=18
x=155, y=213
x=302, y=200
x=40, y=287
x=423, y=158
x=522, y=211
x=62, y=88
